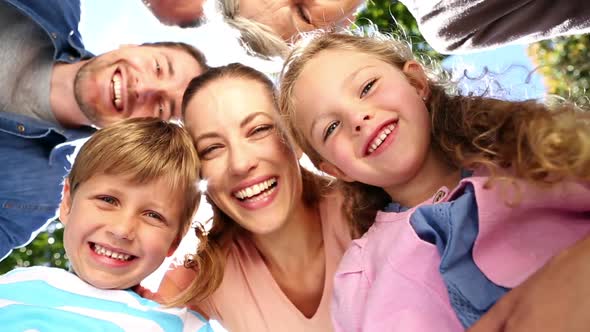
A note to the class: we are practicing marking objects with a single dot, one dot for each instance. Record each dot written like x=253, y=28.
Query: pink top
x=249, y=299
x=389, y=280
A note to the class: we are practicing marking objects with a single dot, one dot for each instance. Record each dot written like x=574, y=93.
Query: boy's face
x=118, y=232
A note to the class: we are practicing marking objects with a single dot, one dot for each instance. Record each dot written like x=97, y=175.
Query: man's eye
x=368, y=87
x=158, y=68
x=330, y=129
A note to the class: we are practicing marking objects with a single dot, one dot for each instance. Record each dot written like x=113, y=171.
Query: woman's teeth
x=256, y=189
x=381, y=138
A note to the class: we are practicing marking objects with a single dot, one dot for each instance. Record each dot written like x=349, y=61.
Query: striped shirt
x=51, y=299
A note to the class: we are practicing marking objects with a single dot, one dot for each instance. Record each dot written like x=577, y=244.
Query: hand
x=555, y=298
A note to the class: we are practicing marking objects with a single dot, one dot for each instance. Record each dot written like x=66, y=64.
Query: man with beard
x=53, y=91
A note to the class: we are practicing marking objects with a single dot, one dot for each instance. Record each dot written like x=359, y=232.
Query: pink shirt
x=389, y=280
x=249, y=299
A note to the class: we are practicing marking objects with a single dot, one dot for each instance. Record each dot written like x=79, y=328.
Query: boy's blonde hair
x=536, y=142
x=146, y=149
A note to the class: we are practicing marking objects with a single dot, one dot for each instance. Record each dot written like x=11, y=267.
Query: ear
x=174, y=246
x=417, y=77
x=327, y=167
x=66, y=203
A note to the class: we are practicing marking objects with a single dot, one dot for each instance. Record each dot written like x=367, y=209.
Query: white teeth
x=255, y=189
x=117, y=91
x=105, y=252
x=381, y=138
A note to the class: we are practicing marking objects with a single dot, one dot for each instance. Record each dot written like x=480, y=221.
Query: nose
x=359, y=120
x=242, y=160
x=123, y=227
x=147, y=91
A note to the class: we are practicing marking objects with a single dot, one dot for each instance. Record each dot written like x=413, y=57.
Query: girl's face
x=289, y=17
x=253, y=176
x=363, y=117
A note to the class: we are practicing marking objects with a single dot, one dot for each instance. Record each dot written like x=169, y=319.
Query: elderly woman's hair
x=255, y=36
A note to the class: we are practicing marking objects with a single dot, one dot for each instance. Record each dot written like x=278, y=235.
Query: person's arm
x=458, y=26
x=555, y=298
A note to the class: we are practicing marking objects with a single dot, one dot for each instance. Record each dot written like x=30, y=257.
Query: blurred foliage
x=564, y=63
x=47, y=249
x=393, y=17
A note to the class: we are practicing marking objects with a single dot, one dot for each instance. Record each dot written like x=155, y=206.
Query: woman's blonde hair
x=538, y=143
x=209, y=260
x=145, y=149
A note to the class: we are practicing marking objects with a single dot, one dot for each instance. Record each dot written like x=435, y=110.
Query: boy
x=127, y=203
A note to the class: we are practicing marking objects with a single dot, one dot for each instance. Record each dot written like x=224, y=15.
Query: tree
x=564, y=63
x=394, y=17
x=47, y=249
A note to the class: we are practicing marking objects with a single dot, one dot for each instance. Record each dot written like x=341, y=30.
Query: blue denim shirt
x=33, y=159
x=33, y=155
x=59, y=19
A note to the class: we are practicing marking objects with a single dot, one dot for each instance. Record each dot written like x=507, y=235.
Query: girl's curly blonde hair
x=536, y=142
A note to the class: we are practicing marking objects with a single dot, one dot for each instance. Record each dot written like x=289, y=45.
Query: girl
x=481, y=187
x=268, y=261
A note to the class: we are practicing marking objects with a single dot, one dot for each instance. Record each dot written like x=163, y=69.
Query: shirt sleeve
x=460, y=26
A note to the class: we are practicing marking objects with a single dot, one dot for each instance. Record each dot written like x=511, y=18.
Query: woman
x=278, y=230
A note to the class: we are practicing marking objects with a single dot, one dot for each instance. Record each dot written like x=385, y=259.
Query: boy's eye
x=367, y=88
x=108, y=199
x=330, y=129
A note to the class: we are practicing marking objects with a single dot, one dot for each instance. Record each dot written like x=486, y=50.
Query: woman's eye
x=368, y=87
x=260, y=130
x=208, y=150
x=330, y=129
x=108, y=199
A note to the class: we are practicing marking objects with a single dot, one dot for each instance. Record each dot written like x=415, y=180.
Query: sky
x=107, y=24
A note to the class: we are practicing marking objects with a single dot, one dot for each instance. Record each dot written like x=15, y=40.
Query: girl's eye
x=261, y=130
x=368, y=87
x=330, y=129
x=154, y=215
x=108, y=199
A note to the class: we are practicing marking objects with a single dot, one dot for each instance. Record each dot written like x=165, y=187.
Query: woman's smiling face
x=253, y=175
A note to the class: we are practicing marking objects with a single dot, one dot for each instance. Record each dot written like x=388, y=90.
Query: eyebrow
x=251, y=117
x=170, y=67
x=243, y=123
